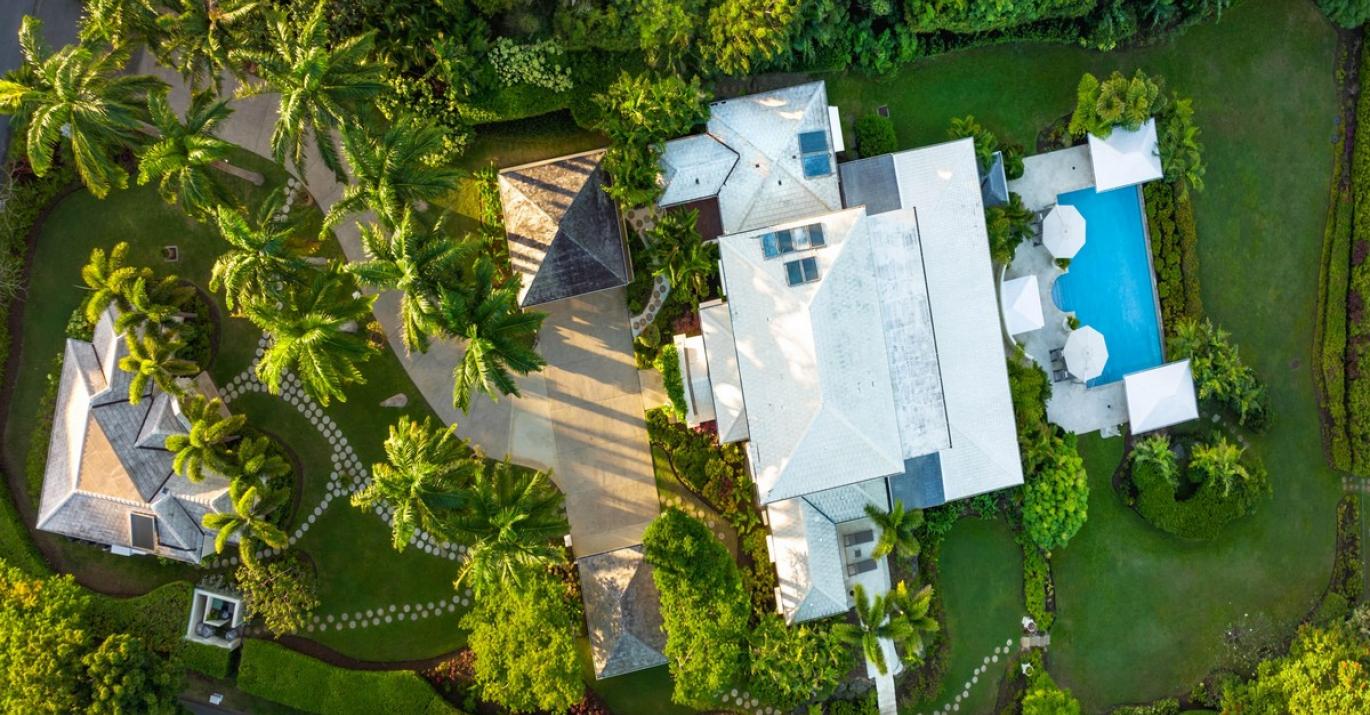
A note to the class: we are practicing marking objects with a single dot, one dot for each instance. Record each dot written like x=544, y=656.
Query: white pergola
x=1063, y=231
x=1086, y=353
x=1021, y=302
x=1161, y=397
x=1127, y=157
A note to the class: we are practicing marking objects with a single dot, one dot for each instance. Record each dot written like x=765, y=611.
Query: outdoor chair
x=860, y=567
x=859, y=537
x=1060, y=375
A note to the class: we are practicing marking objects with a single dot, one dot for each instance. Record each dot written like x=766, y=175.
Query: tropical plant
x=199, y=35
x=875, y=135
x=1007, y=226
x=249, y=521
x=1219, y=373
x=1221, y=463
x=638, y=113
x=323, y=84
x=421, y=480
x=1349, y=14
x=676, y=251
x=419, y=262
x=78, y=98
x=281, y=592
x=1181, y=151
x=182, y=159
x=790, y=665
x=499, y=336
x=1056, y=490
x=153, y=307
x=255, y=461
x=108, y=277
x=910, y=623
x=511, y=520
x=898, y=530
x=152, y=358
x=316, y=332
x=743, y=32
x=1155, y=451
x=1116, y=101
x=986, y=142
x=393, y=171
x=262, y=263
x=205, y=445
x=120, y=23
x=872, y=625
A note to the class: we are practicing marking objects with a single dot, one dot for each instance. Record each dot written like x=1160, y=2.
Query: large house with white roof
x=858, y=351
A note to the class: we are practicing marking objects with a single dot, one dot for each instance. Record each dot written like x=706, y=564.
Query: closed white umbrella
x=1086, y=353
x=1022, y=304
x=1063, y=231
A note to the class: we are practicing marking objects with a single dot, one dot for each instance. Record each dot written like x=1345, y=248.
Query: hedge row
x=16, y=546
x=158, y=616
x=1200, y=516
x=1330, y=329
x=1174, y=252
x=668, y=364
x=209, y=660
x=281, y=675
x=1037, y=585
x=1358, y=327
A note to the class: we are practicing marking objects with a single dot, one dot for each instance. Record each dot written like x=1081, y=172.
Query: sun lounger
x=860, y=567
x=857, y=538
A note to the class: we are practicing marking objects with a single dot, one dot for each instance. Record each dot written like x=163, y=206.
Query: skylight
x=813, y=146
x=804, y=270
x=791, y=240
x=816, y=165
x=143, y=531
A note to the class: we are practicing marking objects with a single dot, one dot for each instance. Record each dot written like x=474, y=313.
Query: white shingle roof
x=1126, y=158
x=768, y=185
x=808, y=561
x=730, y=412
x=1160, y=397
x=941, y=183
x=694, y=168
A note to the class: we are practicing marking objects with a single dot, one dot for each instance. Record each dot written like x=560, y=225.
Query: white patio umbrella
x=1086, y=353
x=1063, y=231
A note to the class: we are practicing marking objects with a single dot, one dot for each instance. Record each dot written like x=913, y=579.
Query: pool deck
x=1074, y=406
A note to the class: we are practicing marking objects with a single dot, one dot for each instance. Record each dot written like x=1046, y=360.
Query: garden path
x=974, y=679
x=581, y=417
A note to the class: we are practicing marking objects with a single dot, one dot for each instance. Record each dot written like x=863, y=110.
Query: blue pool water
x=1109, y=282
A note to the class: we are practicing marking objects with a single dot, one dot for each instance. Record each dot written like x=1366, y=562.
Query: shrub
x=1203, y=513
x=875, y=135
x=668, y=364
x=533, y=64
x=16, y=546
x=158, y=617
x=1219, y=373
x=1174, y=254
x=209, y=660
x=1037, y=586
x=791, y=665
x=1331, y=340
x=36, y=460
x=1168, y=706
x=281, y=675
x=1056, y=491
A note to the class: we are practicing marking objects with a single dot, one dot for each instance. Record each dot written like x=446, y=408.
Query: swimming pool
x=1109, y=283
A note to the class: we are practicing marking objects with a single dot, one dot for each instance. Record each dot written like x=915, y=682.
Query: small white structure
x=1086, y=353
x=835, y=129
x=1126, y=158
x=1021, y=302
x=1161, y=397
x=1063, y=231
x=694, y=373
x=216, y=619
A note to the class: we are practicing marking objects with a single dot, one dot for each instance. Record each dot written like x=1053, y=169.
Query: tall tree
x=262, y=262
x=421, y=480
x=1117, y=101
x=153, y=306
x=872, y=625
x=638, y=113
x=499, y=336
x=1056, y=492
x=281, y=592
x=124, y=676
x=182, y=159
x=76, y=97
x=744, y=33
x=108, y=277
x=898, y=530
x=153, y=358
x=200, y=34
x=205, y=446
x=1221, y=464
x=910, y=620
x=323, y=84
x=512, y=521
x=524, y=646
x=392, y=171
x=42, y=640
x=255, y=461
x=250, y=521
x=668, y=30
x=121, y=23
x=416, y=260
x=316, y=332
x=676, y=251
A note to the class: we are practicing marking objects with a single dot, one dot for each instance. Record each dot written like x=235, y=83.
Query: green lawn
x=982, y=588
x=1140, y=613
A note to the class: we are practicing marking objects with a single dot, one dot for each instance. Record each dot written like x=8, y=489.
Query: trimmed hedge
x=668, y=364
x=16, y=546
x=1200, y=516
x=1174, y=252
x=281, y=675
x=209, y=660
x=1037, y=585
x=1358, y=328
x=1330, y=329
x=158, y=616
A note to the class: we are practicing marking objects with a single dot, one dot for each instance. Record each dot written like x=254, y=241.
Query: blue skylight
x=817, y=165
x=811, y=142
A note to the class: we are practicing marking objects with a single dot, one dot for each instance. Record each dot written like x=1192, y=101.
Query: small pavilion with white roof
x=1126, y=157
x=1161, y=397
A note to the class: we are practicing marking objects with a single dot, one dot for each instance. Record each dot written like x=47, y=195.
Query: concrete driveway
x=581, y=417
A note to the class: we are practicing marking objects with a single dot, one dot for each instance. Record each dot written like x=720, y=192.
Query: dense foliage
x=668, y=364
x=875, y=135
x=282, y=593
x=638, y=113
x=1045, y=697
x=1219, y=373
x=1038, y=588
x=1197, y=498
x=1327, y=670
x=1056, y=487
x=986, y=145
x=1174, y=254
x=1357, y=326
x=1007, y=226
x=524, y=646
x=1347, y=13
x=791, y=665
x=704, y=608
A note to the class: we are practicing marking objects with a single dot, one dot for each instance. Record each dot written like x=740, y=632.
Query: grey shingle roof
x=622, y=612
x=870, y=183
x=565, y=237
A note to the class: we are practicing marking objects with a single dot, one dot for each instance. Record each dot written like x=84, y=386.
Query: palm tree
x=898, y=530
x=249, y=521
x=151, y=358
x=108, y=278
x=262, y=261
x=1155, y=450
x=153, y=306
x=206, y=444
x=120, y=23
x=183, y=158
x=415, y=261
x=871, y=626
x=910, y=622
x=199, y=35
x=1221, y=462
x=322, y=84
x=510, y=519
x=78, y=97
x=392, y=171
x=316, y=332
x=499, y=336
x=254, y=462
x=421, y=478
x=695, y=270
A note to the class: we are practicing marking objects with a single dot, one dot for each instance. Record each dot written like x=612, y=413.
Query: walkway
x=581, y=417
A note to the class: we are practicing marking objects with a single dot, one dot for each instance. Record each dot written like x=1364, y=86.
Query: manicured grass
x=981, y=570
x=1140, y=614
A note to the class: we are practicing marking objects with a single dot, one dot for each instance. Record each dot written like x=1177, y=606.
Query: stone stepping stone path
x=347, y=474
x=661, y=287
x=1355, y=485
x=743, y=701
x=704, y=515
x=388, y=614
x=986, y=662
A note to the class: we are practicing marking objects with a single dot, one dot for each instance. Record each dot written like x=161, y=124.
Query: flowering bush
x=533, y=64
